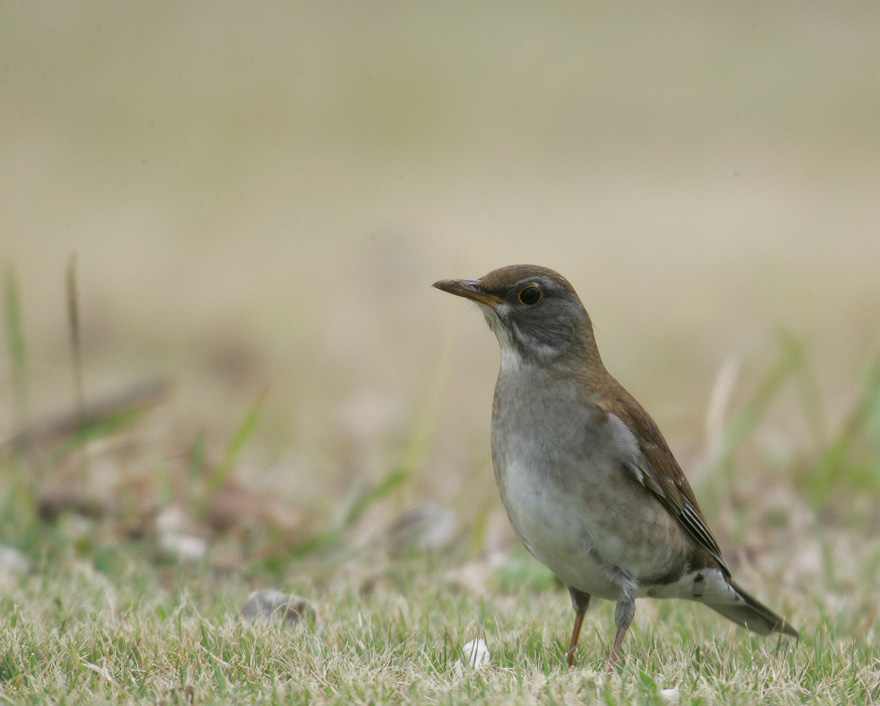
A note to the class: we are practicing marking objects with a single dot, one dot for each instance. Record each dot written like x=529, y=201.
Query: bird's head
x=534, y=312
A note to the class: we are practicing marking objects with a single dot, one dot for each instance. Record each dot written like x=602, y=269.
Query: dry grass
x=111, y=608
x=141, y=633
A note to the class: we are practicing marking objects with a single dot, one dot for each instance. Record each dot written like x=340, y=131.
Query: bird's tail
x=751, y=613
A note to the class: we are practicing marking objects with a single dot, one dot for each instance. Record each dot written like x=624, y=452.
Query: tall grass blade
x=73, y=321
x=143, y=395
x=392, y=480
x=361, y=500
x=417, y=447
x=748, y=417
x=95, y=429
x=17, y=352
x=196, y=463
x=811, y=403
x=221, y=471
x=836, y=462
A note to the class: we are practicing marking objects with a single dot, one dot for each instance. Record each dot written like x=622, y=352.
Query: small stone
x=429, y=527
x=176, y=538
x=670, y=696
x=274, y=606
x=476, y=656
x=183, y=547
x=12, y=565
x=172, y=520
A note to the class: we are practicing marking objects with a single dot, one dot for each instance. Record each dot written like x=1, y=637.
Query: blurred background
x=259, y=196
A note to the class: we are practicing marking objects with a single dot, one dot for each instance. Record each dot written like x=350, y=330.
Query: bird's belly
x=563, y=545
x=590, y=537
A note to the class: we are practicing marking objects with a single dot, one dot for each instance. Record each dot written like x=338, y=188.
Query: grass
x=141, y=635
x=17, y=354
x=103, y=616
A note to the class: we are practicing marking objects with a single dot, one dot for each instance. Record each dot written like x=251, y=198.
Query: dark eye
x=530, y=295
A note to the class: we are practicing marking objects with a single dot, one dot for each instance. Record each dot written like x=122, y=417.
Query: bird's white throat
x=513, y=341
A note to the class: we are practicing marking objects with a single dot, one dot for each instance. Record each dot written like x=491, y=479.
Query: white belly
x=594, y=527
x=559, y=539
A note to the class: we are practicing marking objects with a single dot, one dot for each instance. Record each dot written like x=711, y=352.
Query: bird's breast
x=558, y=463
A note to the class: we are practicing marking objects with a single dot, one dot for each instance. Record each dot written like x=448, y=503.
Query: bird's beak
x=469, y=289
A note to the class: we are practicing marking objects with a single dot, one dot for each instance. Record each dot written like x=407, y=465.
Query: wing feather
x=657, y=470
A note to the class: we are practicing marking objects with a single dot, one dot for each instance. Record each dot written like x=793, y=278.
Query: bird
x=590, y=486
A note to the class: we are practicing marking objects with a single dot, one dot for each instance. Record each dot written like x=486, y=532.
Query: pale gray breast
x=559, y=463
x=541, y=419
x=543, y=440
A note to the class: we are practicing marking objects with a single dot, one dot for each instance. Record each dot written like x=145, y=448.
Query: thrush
x=590, y=485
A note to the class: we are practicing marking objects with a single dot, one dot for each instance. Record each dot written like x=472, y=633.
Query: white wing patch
x=628, y=445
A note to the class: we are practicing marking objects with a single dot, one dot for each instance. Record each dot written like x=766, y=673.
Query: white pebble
x=476, y=655
x=669, y=696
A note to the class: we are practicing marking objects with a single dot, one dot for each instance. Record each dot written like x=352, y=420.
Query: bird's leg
x=623, y=615
x=580, y=601
x=575, y=633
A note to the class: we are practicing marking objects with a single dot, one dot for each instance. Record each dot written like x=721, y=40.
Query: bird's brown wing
x=660, y=473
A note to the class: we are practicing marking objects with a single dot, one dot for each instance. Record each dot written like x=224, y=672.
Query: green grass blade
x=95, y=429
x=221, y=471
x=835, y=464
x=17, y=351
x=73, y=321
x=196, y=463
x=394, y=479
x=748, y=417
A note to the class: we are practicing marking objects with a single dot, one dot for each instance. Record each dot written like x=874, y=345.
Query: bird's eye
x=530, y=295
